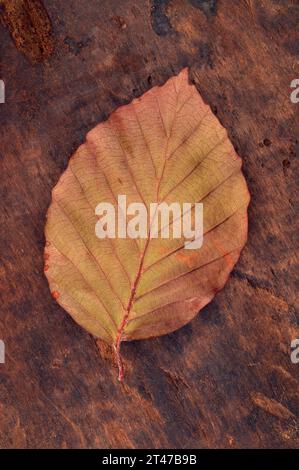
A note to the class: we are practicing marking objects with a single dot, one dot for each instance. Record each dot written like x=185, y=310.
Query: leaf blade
x=166, y=146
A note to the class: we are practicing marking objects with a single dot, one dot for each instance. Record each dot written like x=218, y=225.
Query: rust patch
x=271, y=406
x=30, y=27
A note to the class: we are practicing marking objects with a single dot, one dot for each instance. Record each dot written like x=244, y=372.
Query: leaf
x=166, y=146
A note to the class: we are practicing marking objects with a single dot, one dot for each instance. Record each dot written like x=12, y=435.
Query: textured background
x=226, y=379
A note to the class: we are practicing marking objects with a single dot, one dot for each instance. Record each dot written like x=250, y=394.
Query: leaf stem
x=126, y=316
x=119, y=361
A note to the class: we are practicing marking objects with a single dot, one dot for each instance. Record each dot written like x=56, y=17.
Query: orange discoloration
x=184, y=258
x=226, y=256
x=30, y=27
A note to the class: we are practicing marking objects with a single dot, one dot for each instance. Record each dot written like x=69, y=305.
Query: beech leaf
x=166, y=146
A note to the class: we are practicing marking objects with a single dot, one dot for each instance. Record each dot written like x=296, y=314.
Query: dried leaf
x=166, y=146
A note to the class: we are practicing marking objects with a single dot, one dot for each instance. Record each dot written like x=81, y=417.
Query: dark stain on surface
x=283, y=23
x=267, y=142
x=127, y=60
x=205, y=54
x=285, y=166
x=21, y=309
x=253, y=281
x=30, y=27
x=159, y=19
x=292, y=46
x=211, y=315
x=74, y=46
x=208, y=7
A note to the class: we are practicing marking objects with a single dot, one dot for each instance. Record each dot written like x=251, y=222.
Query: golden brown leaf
x=166, y=146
